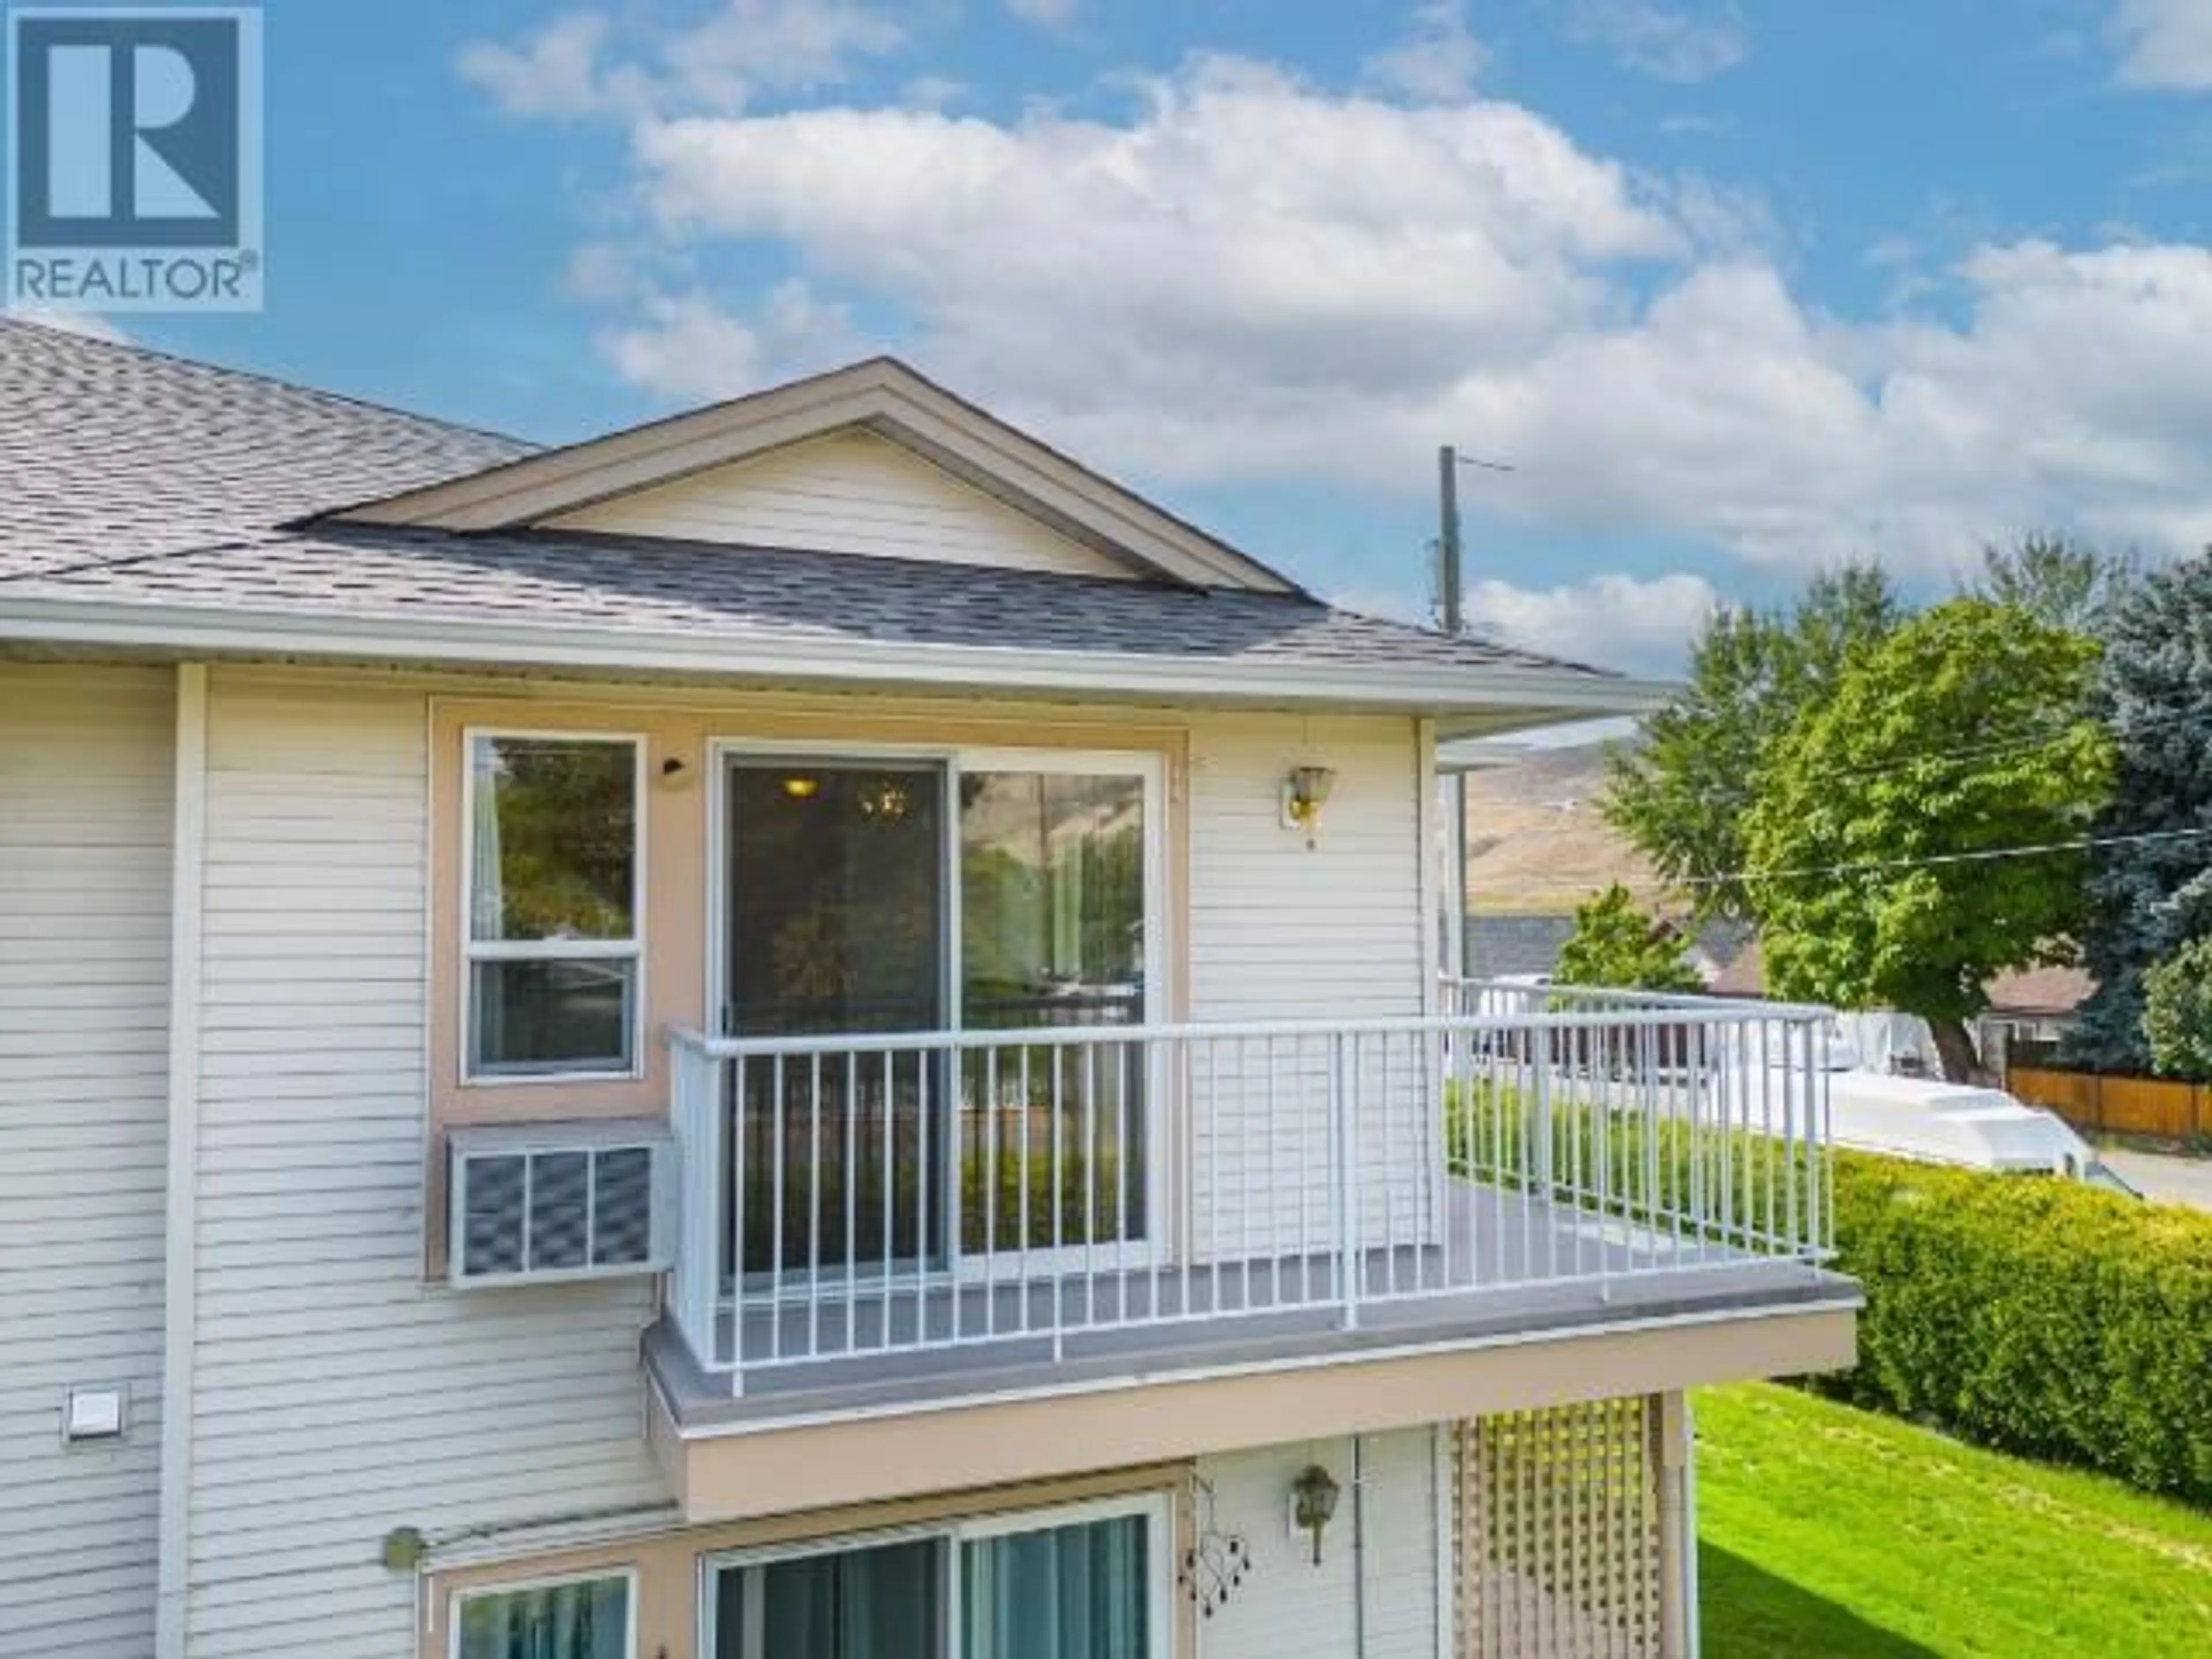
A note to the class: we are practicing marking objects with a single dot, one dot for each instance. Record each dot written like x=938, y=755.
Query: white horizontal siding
x=335, y=1396
x=852, y=492
x=86, y=775
x=1280, y=930
x=1289, y=1609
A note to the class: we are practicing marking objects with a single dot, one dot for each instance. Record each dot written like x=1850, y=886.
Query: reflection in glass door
x=1053, y=882
x=881, y=1603
x=837, y=928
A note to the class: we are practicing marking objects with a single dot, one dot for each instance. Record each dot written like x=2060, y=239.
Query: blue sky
x=1740, y=286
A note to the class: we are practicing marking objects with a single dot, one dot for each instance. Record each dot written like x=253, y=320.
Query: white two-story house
x=804, y=1032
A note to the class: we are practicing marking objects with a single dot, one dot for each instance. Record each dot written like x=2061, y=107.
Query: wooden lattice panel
x=1560, y=1552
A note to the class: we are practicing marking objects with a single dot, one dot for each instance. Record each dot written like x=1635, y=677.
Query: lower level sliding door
x=1088, y=1583
x=1072, y=1592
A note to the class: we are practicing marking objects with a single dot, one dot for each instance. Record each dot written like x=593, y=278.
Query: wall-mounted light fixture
x=675, y=774
x=1313, y=1504
x=1305, y=792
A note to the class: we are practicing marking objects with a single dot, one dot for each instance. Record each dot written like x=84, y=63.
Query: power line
x=2002, y=749
x=1659, y=886
x=2089, y=843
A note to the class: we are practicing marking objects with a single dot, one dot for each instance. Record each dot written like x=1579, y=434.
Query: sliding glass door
x=1071, y=1592
x=1088, y=1585
x=1003, y=893
x=836, y=928
x=1056, y=932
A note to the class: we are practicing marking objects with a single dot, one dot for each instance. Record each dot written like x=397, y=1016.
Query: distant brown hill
x=1537, y=844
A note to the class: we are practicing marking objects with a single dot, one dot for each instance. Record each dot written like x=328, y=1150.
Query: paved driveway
x=2167, y=1180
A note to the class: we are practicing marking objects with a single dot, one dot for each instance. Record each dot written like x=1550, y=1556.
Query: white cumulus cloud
x=2165, y=43
x=1242, y=277
x=684, y=345
x=1670, y=42
x=580, y=65
x=557, y=71
x=1437, y=58
x=1636, y=626
x=1046, y=13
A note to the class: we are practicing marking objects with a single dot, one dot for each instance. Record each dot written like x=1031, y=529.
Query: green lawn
x=1828, y=1533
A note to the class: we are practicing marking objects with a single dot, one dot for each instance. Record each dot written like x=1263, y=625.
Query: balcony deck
x=1295, y=1195
x=1543, y=1270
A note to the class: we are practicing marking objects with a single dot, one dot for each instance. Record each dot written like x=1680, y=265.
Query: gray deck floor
x=1532, y=1266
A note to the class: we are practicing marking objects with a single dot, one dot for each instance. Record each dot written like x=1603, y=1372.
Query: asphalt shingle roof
x=109, y=451
x=127, y=476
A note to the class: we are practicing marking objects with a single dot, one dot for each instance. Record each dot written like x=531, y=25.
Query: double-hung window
x=553, y=893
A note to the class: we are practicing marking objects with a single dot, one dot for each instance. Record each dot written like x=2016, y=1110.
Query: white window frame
x=459, y=1598
x=474, y=950
x=955, y=761
x=1157, y=1509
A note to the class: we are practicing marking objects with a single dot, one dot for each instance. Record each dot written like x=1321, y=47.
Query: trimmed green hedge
x=2026, y=1313
x=2036, y=1315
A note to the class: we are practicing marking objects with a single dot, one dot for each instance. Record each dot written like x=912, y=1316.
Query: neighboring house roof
x=1507, y=944
x=2051, y=991
x=2047, y=991
x=1744, y=974
x=1499, y=947
x=149, y=501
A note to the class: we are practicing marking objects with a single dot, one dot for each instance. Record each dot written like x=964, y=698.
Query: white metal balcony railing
x=854, y=1196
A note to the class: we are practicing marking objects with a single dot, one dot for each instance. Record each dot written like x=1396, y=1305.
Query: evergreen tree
x=2149, y=898
x=2058, y=581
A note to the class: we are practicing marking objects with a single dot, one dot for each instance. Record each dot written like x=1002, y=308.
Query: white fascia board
x=1529, y=695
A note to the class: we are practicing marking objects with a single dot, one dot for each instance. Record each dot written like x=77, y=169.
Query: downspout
x=1358, y=1547
x=187, y=889
x=1693, y=1642
x=1677, y=1545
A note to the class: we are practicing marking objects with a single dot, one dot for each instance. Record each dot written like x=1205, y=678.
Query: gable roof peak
x=882, y=394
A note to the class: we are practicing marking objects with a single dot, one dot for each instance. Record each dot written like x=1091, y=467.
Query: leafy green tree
x=2150, y=887
x=2058, y=580
x=1680, y=794
x=1617, y=946
x=2176, y=1021
x=1961, y=736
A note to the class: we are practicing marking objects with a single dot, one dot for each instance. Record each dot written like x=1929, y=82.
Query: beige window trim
x=678, y=743
x=665, y=1567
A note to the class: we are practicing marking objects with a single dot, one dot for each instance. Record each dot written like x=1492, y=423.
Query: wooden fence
x=2120, y=1105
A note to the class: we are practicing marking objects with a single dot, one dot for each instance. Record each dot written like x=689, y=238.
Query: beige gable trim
x=851, y=491
x=881, y=395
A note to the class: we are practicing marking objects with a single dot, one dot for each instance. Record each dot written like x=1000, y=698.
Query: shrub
x=2026, y=1313
x=2036, y=1315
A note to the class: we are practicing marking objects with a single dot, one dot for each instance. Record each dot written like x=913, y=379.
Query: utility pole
x=1450, y=596
x=1451, y=608
x=1452, y=605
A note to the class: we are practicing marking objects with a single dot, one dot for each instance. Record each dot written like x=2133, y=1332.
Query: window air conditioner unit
x=544, y=1203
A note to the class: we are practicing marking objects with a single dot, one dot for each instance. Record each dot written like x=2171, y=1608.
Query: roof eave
x=1461, y=698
